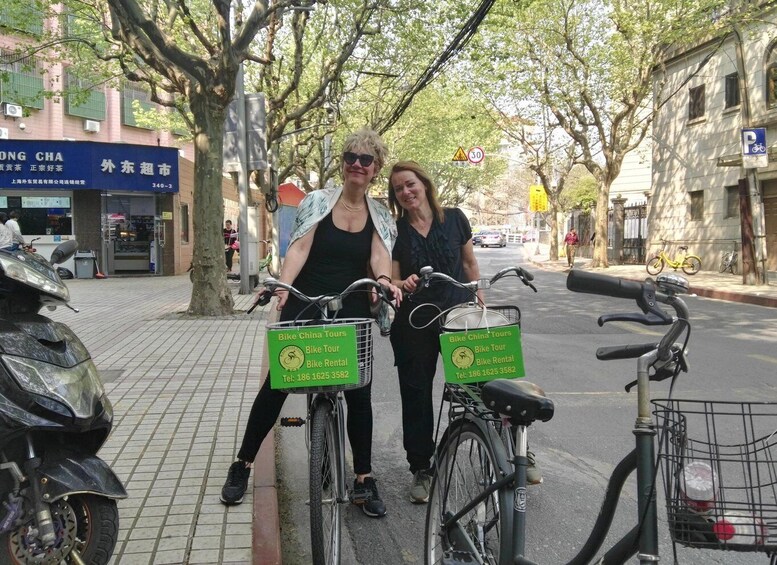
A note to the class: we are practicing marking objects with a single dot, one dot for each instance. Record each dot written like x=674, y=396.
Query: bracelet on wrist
x=388, y=278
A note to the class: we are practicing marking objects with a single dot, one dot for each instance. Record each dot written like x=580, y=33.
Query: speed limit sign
x=476, y=155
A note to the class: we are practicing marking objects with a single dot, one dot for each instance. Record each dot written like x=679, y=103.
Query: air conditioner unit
x=92, y=126
x=3, y=133
x=13, y=110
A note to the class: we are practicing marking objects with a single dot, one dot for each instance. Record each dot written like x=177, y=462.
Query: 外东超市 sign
x=82, y=165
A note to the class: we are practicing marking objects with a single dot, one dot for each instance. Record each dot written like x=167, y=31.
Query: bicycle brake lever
x=644, y=319
x=262, y=299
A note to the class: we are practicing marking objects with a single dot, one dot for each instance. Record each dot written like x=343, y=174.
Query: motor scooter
x=57, y=498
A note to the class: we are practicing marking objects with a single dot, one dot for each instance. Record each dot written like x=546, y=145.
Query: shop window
x=732, y=90
x=697, y=205
x=21, y=80
x=41, y=215
x=135, y=100
x=696, y=103
x=732, y=201
x=184, y=223
x=82, y=100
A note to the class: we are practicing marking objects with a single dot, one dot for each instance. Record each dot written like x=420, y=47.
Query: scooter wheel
x=89, y=523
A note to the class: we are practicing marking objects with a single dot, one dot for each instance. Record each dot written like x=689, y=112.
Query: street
x=731, y=355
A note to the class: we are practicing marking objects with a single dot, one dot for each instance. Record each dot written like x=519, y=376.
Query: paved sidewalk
x=181, y=389
x=710, y=284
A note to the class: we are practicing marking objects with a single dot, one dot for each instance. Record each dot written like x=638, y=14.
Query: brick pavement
x=181, y=389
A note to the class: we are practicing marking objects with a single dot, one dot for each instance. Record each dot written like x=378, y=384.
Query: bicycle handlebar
x=428, y=275
x=325, y=302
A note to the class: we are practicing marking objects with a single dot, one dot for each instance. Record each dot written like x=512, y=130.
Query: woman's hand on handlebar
x=410, y=284
x=391, y=290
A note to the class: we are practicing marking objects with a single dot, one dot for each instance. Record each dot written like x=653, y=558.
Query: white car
x=493, y=238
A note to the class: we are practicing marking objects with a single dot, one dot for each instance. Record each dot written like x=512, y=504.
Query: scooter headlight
x=22, y=272
x=77, y=387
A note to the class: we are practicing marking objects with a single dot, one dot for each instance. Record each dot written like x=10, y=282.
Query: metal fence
x=632, y=248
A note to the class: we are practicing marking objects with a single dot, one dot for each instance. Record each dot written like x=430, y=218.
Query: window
x=697, y=205
x=696, y=103
x=21, y=16
x=134, y=95
x=184, y=223
x=82, y=100
x=771, y=85
x=732, y=201
x=732, y=90
x=40, y=215
x=21, y=80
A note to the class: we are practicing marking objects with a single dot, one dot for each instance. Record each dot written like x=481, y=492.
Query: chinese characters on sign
x=88, y=165
x=538, y=198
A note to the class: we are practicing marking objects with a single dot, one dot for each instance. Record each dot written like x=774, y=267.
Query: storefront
x=116, y=199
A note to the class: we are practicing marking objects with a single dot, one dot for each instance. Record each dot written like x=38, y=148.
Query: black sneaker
x=366, y=495
x=236, y=484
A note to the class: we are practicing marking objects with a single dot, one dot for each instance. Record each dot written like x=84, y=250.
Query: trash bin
x=84, y=261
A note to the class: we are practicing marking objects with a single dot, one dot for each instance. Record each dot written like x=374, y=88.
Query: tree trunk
x=553, y=253
x=210, y=292
x=600, y=227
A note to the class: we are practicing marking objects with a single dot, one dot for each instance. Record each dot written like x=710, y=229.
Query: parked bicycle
x=690, y=264
x=264, y=264
x=322, y=357
x=730, y=261
x=720, y=491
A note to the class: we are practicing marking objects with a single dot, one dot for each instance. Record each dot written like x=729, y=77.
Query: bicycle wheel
x=655, y=265
x=691, y=265
x=325, y=518
x=468, y=462
x=725, y=263
x=734, y=265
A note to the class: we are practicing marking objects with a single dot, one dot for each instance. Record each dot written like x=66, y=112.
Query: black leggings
x=267, y=407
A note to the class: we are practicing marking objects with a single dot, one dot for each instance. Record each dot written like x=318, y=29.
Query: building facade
x=89, y=167
x=719, y=88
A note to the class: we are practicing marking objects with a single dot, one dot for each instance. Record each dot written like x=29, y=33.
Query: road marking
x=637, y=329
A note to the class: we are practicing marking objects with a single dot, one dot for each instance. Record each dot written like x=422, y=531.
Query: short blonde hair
x=367, y=140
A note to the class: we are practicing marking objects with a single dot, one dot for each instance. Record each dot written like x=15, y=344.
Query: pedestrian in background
x=230, y=238
x=339, y=236
x=427, y=235
x=6, y=237
x=16, y=232
x=571, y=240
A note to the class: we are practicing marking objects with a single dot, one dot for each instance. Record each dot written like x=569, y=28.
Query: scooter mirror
x=63, y=251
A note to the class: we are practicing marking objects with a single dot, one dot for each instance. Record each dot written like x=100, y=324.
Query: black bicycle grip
x=594, y=283
x=624, y=351
x=262, y=299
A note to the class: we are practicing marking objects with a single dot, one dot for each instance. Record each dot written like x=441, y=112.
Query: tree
x=590, y=63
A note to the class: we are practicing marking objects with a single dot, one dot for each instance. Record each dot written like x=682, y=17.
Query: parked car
x=476, y=237
x=493, y=238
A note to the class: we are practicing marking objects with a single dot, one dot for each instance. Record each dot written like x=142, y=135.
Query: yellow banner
x=538, y=198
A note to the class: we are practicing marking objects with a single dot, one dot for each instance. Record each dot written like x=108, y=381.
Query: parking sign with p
x=754, y=151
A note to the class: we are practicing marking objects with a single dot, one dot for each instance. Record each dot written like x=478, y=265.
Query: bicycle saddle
x=683, y=248
x=523, y=402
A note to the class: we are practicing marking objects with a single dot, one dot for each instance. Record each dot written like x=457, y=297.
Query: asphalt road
x=732, y=357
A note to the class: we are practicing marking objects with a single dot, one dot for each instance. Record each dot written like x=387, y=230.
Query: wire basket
x=363, y=351
x=718, y=464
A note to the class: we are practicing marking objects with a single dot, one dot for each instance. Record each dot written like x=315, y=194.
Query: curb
x=266, y=524
x=736, y=297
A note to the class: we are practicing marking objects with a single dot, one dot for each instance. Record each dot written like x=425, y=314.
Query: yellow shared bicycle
x=690, y=264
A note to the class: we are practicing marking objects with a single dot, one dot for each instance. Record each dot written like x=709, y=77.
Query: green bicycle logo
x=291, y=357
x=463, y=357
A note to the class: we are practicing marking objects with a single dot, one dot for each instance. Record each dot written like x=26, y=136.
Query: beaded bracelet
x=388, y=278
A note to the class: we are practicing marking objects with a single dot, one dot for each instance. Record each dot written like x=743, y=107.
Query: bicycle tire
x=734, y=265
x=467, y=462
x=325, y=514
x=654, y=265
x=691, y=265
x=725, y=263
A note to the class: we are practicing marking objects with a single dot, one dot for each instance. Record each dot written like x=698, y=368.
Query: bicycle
x=477, y=512
x=730, y=261
x=264, y=264
x=690, y=264
x=322, y=357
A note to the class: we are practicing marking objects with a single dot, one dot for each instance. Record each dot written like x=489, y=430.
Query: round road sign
x=476, y=155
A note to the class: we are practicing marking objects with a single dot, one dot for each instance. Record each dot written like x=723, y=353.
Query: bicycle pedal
x=292, y=422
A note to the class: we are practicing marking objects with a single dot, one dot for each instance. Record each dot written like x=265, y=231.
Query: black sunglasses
x=365, y=160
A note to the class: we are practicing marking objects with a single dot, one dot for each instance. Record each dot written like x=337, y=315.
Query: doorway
x=128, y=222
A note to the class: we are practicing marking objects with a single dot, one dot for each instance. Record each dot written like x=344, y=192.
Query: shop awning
x=290, y=195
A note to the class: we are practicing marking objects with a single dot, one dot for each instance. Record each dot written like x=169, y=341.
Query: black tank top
x=337, y=258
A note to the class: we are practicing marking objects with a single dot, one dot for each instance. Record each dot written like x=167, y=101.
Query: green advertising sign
x=313, y=356
x=482, y=355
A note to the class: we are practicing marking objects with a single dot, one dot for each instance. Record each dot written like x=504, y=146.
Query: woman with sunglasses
x=427, y=234
x=339, y=235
